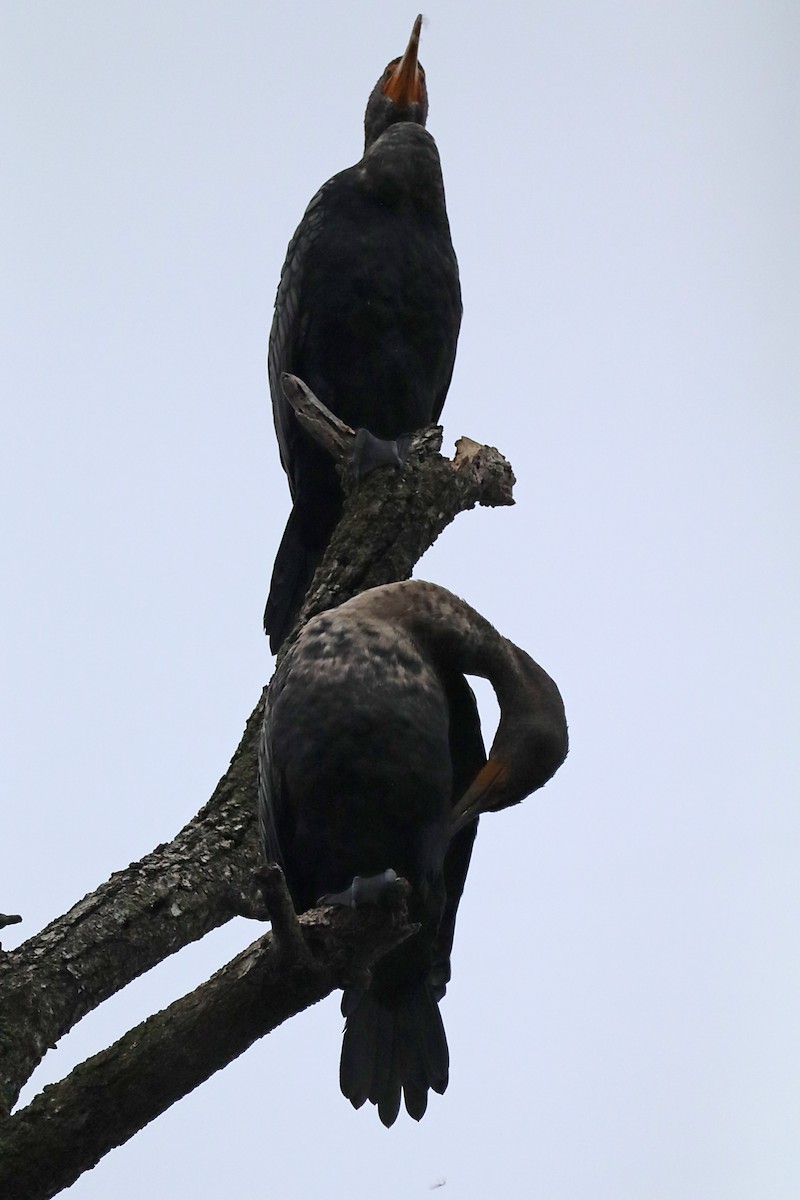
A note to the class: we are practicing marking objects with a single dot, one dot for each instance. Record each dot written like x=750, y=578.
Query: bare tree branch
x=203, y=877
x=388, y=524
x=392, y=517
x=132, y=922
x=70, y=1126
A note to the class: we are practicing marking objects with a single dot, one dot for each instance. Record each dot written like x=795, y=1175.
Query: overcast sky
x=622, y=183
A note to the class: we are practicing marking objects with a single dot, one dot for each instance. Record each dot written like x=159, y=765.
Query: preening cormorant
x=371, y=760
x=367, y=314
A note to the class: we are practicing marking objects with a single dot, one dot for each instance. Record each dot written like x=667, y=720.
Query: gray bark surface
x=204, y=877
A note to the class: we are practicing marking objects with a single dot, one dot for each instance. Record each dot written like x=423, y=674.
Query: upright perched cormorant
x=372, y=762
x=367, y=314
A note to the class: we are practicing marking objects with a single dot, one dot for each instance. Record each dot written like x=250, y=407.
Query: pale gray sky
x=623, y=188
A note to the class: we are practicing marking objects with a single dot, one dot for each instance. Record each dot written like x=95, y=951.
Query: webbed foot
x=370, y=452
x=365, y=889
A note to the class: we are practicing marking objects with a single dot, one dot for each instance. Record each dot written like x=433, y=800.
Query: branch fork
x=204, y=877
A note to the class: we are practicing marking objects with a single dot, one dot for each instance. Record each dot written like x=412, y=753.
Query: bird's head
x=400, y=94
x=530, y=745
x=513, y=772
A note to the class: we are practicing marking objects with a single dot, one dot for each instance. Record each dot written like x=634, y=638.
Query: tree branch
x=70, y=1126
x=203, y=877
x=139, y=917
x=392, y=517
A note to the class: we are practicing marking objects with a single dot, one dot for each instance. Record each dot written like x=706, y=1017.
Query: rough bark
x=104, y=1101
x=392, y=517
x=139, y=917
x=203, y=877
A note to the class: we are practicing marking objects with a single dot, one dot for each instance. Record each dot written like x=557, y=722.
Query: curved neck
x=456, y=636
x=531, y=740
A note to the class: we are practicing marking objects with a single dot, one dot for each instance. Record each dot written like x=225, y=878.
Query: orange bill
x=481, y=795
x=404, y=87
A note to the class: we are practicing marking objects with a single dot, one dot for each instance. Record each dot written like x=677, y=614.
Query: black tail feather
x=383, y=1054
x=295, y=564
x=389, y=1051
x=431, y=1039
x=358, y=1051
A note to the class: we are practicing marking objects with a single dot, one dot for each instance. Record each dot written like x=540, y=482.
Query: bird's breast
x=380, y=315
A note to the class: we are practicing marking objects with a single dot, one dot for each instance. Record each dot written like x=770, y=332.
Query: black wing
x=289, y=326
x=468, y=755
x=272, y=811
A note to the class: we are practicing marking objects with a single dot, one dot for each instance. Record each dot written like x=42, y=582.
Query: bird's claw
x=371, y=452
x=365, y=889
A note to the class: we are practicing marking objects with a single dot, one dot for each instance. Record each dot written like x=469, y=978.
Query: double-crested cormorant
x=372, y=761
x=367, y=314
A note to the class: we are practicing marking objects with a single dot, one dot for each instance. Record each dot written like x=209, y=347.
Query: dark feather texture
x=371, y=741
x=367, y=314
